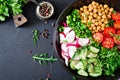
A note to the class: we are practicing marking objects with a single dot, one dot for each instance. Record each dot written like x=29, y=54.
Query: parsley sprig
x=35, y=36
x=43, y=58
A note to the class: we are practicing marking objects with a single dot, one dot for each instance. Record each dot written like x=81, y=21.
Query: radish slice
x=70, y=37
x=64, y=47
x=62, y=37
x=83, y=41
x=65, y=53
x=66, y=61
x=71, y=53
x=71, y=50
x=64, y=24
x=67, y=30
x=66, y=58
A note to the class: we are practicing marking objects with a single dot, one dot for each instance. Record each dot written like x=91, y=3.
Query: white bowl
x=38, y=12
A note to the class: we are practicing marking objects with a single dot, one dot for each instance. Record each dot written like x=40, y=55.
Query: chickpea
x=93, y=32
x=104, y=16
x=98, y=17
x=85, y=7
x=105, y=6
x=92, y=25
x=100, y=14
x=109, y=16
x=84, y=10
x=87, y=12
x=95, y=15
x=98, y=27
x=91, y=14
x=97, y=3
x=111, y=9
x=102, y=28
x=102, y=9
x=100, y=23
x=95, y=11
x=103, y=25
x=94, y=6
x=90, y=28
x=90, y=17
x=96, y=23
x=81, y=9
x=94, y=28
x=102, y=20
x=93, y=2
x=93, y=21
x=106, y=22
x=106, y=11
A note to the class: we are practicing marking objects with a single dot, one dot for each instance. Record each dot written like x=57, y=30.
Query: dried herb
x=43, y=58
x=35, y=36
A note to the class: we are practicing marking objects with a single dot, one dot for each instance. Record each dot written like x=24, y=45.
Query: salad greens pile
x=8, y=7
x=74, y=21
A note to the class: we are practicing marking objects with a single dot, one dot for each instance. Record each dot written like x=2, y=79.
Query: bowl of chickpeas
x=96, y=15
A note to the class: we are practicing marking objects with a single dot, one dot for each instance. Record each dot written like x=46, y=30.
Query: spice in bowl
x=44, y=10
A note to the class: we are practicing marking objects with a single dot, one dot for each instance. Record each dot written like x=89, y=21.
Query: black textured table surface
x=15, y=43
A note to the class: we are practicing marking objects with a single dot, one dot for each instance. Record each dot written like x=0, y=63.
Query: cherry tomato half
x=116, y=16
x=108, y=42
x=108, y=31
x=98, y=37
x=117, y=25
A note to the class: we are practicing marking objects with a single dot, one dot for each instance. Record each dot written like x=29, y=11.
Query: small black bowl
x=77, y=4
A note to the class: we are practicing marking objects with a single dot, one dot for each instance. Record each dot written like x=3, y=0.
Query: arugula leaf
x=43, y=58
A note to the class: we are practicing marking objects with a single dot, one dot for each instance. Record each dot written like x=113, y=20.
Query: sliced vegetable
x=83, y=41
x=82, y=72
x=108, y=42
x=98, y=37
x=117, y=25
x=108, y=31
x=116, y=16
x=94, y=49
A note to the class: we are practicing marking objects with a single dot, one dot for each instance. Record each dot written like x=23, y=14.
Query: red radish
x=64, y=47
x=66, y=61
x=62, y=37
x=64, y=24
x=66, y=58
x=70, y=37
x=83, y=41
x=67, y=30
x=71, y=52
x=65, y=53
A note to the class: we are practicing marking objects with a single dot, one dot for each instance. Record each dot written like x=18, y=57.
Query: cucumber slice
x=95, y=74
x=90, y=68
x=83, y=53
x=94, y=49
x=73, y=63
x=91, y=55
x=82, y=72
x=79, y=65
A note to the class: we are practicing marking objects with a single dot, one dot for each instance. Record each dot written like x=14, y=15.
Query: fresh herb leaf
x=43, y=58
x=110, y=23
x=114, y=12
x=60, y=28
x=35, y=36
x=89, y=23
x=74, y=78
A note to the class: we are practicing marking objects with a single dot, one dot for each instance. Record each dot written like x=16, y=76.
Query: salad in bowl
x=88, y=37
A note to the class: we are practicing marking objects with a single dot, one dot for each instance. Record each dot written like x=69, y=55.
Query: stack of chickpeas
x=96, y=16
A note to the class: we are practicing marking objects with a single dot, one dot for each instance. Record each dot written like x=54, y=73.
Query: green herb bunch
x=43, y=58
x=74, y=21
x=8, y=7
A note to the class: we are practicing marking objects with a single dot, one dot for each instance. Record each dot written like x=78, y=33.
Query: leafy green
x=35, y=36
x=43, y=58
x=74, y=21
x=60, y=28
x=8, y=7
x=110, y=59
x=110, y=23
